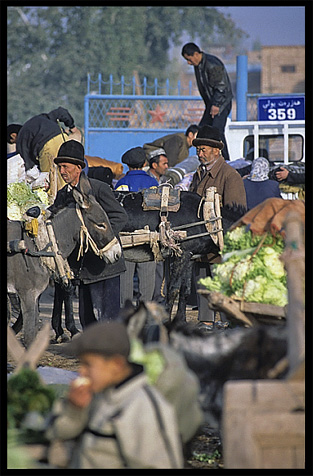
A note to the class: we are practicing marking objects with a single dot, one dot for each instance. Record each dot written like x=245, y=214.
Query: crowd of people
x=115, y=418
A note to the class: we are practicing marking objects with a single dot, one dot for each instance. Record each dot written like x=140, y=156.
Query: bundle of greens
x=27, y=394
x=20, y=198
x=251, y=268
x=152, y=360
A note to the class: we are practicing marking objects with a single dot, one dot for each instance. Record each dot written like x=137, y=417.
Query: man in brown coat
x=213, y=172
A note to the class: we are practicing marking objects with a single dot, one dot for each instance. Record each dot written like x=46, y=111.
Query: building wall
x=283, y=69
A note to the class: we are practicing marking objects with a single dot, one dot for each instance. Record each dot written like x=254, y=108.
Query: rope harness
x=85, y=236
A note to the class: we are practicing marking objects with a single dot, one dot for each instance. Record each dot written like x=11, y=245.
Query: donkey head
x=96, y=221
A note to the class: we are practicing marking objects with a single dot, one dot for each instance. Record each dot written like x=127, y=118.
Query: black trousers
x=219, y=121
x=99, y=301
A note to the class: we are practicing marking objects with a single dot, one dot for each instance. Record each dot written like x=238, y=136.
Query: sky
x=272, y=26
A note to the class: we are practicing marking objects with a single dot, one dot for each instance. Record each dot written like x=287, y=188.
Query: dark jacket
x=295, y=178
x=213, y=82
x=37, y=131
x=175, y=146
x=91, y=268
x=257, y=192
x=225, y=178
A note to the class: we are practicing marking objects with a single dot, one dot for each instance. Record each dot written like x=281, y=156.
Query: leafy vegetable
x=152, y=360
x=27, y=394
x=251, y=268
x=20, y=197
x=209, y=458
x=42, y=195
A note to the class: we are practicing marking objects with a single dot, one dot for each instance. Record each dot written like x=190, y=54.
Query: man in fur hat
x=99, y=282
x=213, y=172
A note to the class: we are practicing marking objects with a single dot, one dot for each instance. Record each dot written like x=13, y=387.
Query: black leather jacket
x=213, y=82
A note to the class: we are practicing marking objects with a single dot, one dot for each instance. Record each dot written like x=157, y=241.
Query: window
x=288, y=68
x=272, y=147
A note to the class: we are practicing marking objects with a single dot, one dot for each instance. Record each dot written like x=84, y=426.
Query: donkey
x=29, y=270
x=227, y=354
x=198, y=242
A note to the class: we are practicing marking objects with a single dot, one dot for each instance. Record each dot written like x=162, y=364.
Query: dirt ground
x=205, y=448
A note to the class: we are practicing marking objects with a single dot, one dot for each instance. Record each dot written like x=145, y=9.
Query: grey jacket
x=213, y=82
x=127, y=426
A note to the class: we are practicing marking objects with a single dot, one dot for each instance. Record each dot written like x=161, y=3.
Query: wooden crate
x=264, y=424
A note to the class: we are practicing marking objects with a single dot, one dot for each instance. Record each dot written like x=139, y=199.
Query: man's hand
x=281, y=174
x=214, y=111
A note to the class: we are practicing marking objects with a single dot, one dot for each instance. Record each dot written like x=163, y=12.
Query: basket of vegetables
x=251, y=280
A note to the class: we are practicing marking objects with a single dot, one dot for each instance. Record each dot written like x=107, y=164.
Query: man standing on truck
x=214, y=86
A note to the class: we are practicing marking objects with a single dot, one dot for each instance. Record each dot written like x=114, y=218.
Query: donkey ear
x=81, y=199
x=84, y=184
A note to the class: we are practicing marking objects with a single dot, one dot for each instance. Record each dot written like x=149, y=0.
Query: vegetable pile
x=20, y=197
x=26, y=394
x=251, y=268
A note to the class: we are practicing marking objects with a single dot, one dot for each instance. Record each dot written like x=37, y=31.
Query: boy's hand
x=80, y=393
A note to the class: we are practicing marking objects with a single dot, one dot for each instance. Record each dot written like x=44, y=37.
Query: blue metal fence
x=117, y=118
x=121, y=115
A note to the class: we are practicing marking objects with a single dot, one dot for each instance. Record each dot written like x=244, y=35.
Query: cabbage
x=251, y=269
x=42, y=195
x=20, y=198
x=152, y=360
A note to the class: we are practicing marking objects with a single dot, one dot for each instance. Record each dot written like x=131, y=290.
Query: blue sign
x=281, y=108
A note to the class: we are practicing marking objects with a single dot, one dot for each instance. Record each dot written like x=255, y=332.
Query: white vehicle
x=281, y=142
x=284, y=142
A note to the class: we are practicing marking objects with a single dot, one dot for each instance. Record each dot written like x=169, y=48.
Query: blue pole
x=99, y=80
x=242, y=87
x=86, y=113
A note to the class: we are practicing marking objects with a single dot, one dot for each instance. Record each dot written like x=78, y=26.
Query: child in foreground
x=115, y=417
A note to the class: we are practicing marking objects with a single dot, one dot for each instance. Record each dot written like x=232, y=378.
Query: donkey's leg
x=69, y=312
x=29, y=311
x=184, y=292
x=175, y=280
x=56, y=320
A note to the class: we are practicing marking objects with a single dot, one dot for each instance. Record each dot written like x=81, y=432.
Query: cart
x=242, y=313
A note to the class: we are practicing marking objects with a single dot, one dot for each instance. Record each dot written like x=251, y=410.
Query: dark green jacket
x=175, y=146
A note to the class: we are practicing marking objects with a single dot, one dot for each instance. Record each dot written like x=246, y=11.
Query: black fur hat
x=71, y=151
x=209, y=135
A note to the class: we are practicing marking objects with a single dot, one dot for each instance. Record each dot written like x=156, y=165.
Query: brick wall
x=283, y=69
